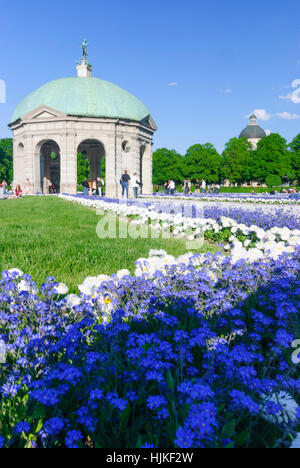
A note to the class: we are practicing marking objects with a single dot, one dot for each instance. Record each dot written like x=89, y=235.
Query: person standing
x=90, y=182
x=172, y=187
x=100, y=185
x=189, y=184
x=203, y=186
x=136, y=184
x=85, y=186
x=28, y=187
x=197, y=187
x=185, y=187
x=125, y=184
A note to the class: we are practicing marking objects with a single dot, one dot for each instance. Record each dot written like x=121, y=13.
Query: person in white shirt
x=172, y=187
x=203, y=186
x=135, y=185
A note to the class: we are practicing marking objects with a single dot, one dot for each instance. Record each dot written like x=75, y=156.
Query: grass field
x=45, y=236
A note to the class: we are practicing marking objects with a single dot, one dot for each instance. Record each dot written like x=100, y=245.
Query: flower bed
x=196, y=356
x=196, y=351
x=247, y=241
x=266, y=199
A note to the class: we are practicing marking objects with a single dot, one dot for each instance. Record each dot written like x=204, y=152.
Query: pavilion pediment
x=43, y=113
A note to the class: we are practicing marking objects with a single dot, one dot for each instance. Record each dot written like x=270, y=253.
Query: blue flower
x=73, y=438
x=22, y=426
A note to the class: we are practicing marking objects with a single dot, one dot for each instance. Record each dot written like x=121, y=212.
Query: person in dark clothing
x=85, y=186
x=125, y=184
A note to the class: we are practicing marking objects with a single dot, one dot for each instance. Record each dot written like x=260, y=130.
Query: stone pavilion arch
x=47, y=166
x=94, y=151
x=81, y=114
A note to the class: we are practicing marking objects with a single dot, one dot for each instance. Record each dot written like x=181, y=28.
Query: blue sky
x=199, y=66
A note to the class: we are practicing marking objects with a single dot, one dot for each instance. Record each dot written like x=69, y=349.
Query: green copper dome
x=86, y=97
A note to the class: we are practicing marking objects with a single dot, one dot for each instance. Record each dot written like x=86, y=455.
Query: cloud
x=261, y=114
x=287, y=116
x=225, y=91
x=295, y=95
x=173, y=84
x=268, y=132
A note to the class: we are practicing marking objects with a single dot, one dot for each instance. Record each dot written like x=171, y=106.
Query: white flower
x=61, y=289
x=16, y=272
x=28, y=286
x=72, y=300
x=122, y=273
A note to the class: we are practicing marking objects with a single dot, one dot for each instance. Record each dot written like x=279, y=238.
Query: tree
x=273, y=180
x=167, y=164
x=235, y=160
x=202, y=161
x=6, y=160
x=272, y=157
x=294, y=148
x=83, y=168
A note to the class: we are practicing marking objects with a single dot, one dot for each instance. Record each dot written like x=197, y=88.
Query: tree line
x=239, y=162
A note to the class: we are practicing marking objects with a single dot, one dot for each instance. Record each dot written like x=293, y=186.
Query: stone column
x=111, y=187
x=68, y=165
x=147, y=170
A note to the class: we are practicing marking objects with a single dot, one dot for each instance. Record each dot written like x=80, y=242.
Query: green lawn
x=46, y=236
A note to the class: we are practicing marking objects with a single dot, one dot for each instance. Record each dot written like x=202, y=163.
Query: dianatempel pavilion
x=81, y=115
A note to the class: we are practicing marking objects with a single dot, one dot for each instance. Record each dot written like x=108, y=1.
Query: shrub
x=273, y=180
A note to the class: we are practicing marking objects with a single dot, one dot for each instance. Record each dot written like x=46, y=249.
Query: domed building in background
x=81, y=115
x=253, y=132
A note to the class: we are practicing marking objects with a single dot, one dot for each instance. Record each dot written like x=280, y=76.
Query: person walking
x=125, y=184
x=136, y=184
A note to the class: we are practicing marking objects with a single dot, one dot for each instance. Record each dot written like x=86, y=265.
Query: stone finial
x=84, y=69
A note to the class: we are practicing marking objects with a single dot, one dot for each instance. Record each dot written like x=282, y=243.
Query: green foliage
x=83, y=169
x=236, y=160
x=202, y=161
x=273, y=180
x=294, y=147
x=167, y=164
x=6, y=160
x=271, y=157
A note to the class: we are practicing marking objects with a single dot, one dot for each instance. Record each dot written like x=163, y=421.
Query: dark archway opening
x=50, y=167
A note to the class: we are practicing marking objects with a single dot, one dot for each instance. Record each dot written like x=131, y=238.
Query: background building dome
x=253, y=130
x=86, y=97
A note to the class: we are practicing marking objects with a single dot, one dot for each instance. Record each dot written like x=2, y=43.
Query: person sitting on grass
x=18, y=191
x=2, y=192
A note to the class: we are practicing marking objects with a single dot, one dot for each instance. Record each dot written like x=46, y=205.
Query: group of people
x=9, y=194
x=125, y=181
x=169, y=187
x=93, y=187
